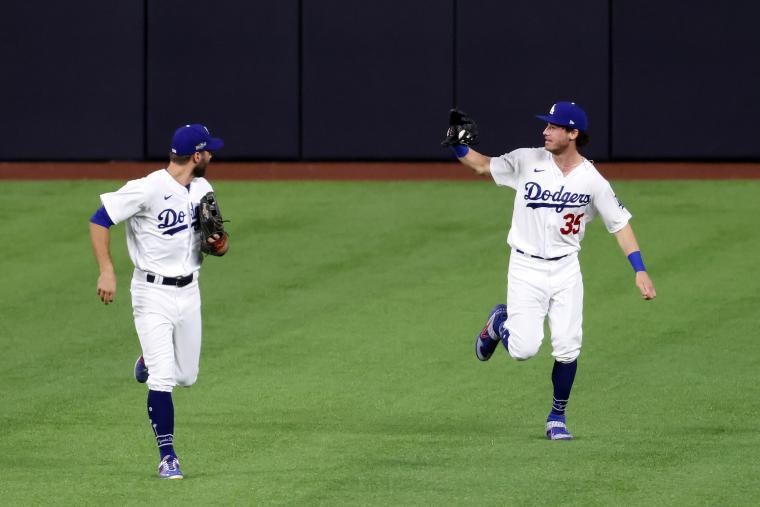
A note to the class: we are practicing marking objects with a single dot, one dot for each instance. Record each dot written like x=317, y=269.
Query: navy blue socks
x=161, y=415
x=563, y=375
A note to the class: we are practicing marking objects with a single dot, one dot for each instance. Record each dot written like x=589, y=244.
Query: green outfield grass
x=338, y=364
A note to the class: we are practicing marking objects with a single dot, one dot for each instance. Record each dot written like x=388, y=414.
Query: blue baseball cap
x=566, y=114
x=191, y=138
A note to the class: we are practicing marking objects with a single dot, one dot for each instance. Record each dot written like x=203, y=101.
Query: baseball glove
x=462, y=129
x=210, y=223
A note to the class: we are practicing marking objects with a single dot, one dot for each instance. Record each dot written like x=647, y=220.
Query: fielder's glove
x=462, y=130
x=210, y=222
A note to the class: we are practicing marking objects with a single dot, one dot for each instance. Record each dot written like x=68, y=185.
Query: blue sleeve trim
x=101, y=217
x=636, y=262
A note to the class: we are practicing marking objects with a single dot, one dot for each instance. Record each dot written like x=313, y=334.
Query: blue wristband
x=460, y=150
x=636, y=261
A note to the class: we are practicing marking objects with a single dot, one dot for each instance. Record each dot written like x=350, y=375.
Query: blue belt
x=542, y=258
x=179, y=281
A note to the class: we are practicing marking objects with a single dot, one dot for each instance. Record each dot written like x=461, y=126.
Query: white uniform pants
x=168, y=323
x=538, y=288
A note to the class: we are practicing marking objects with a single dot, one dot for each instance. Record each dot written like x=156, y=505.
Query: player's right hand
x=107, y=287
x=645, y=285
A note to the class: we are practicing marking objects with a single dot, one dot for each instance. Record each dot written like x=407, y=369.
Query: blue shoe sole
x=478, y=339
x=141, y=372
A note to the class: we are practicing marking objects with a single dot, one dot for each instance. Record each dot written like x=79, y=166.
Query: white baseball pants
x=538, y=288
x=168, y=323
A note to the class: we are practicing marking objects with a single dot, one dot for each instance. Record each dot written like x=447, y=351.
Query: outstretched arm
x=101, y=240
x=479, y=163
x=627, y=241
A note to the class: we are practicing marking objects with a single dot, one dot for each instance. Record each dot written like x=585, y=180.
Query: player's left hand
x=213, y=235
x=462, y=130
x=645, y=285
x=219, y=243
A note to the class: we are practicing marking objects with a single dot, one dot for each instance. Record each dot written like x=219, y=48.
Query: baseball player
x=558, y=193
x=161, y=212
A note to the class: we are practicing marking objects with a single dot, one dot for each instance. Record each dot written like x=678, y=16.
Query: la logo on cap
x=551, y=111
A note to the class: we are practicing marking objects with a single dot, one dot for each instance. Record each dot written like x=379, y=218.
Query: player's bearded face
x=199, y=170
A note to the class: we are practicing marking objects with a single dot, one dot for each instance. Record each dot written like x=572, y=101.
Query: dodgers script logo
x=559, y=200
x=174, y=221
x=169, y=219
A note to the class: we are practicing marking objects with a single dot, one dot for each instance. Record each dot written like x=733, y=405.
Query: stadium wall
x=339, y=80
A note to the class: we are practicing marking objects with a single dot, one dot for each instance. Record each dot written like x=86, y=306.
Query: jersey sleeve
x=606, y=204
x=205, y=185
x=127, y=201
x=506, y=168
x=100, y=217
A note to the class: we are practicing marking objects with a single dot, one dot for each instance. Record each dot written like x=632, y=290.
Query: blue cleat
x=169, y=468
x=556, y=429
x=488, y=339
x=141, y=371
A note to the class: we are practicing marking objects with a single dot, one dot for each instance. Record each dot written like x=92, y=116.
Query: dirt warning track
x=389, y=171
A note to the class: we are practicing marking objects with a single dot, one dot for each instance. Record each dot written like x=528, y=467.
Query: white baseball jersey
x=162, y=222
x=551, y=210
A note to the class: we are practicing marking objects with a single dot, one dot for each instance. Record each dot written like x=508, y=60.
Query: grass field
x=338, y=364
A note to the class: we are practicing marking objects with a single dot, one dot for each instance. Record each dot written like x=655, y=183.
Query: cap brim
x=552, y=120
x=214, y=144
x=549, y=119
